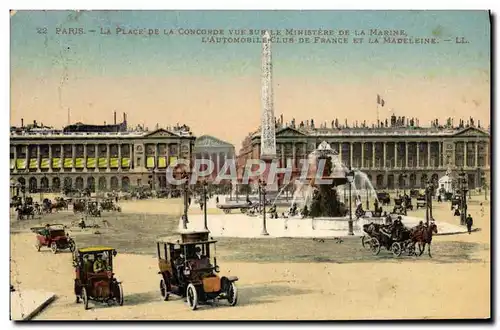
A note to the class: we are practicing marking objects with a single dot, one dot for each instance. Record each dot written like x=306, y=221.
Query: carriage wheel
x=227, y=211
x=53, y=247
x=375, y=246
x=396, y=249
x=72, y=245
x=119, y=294
x=85, y=299
x=410, y=247
x=164, y=290
x=192, y=296
x=365, y=241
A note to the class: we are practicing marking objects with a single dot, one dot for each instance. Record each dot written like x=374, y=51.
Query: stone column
x=294, y=155
x=283, y=160
x=385, y=155
x=218, y=162
x=119, y=157
x=454, y=155
x=156, y=156
x=38, y=159
x=428, y=154
x=465, y=154
x=108, y=158
x=373, y=155
x=96, y=168
x=362, y=154
x=61, y=160
x=15, y=158
x=440, y=154
x=476, y=154
x=85, y=158
x=418, y=154
x=406, y=154
x=395, y=154
x=351, y=153
x=27, y=159
x=340, y=151
x=73, y=156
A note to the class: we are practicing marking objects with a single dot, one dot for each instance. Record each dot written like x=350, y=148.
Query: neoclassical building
x=214, y=149
x=100, y=158
x=386, y=154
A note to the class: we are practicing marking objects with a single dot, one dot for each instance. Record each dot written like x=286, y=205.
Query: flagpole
x=378, y=122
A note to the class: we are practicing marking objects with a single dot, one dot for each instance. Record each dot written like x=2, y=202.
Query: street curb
x=37, y=310
x=458, y=232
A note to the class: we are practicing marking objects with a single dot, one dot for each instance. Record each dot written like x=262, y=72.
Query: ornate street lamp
x=428, y=203
x=350, y=179
x=205, y=185
x=262, y=189
x=185, y=176
x=462, y=177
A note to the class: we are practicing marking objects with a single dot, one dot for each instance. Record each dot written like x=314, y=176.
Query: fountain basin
x=242, y=225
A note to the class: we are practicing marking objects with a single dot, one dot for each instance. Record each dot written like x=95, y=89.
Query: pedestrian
x=482, y=210
x=469, y=223
x=217, y=200
x=201, y=206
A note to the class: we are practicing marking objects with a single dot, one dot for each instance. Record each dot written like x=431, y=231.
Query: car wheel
x=192, y=296
x=119, y=294
x=85, y=299
x=396, y=249
x=232, y=294
x=53, y=247
x=164, y=290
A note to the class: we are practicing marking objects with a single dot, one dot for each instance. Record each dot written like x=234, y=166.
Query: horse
x=423, y=236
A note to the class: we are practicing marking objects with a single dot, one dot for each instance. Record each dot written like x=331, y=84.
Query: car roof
x=92, y=249
x=184, y=244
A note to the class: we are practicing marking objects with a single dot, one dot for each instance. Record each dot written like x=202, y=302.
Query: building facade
x=386, y=154
x=49, y=160
x=214, y=149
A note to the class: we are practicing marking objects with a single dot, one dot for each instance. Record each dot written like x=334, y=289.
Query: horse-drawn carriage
x=395, y=238
x=384, y=198
x=89, y=206
x=421, y=201
x=108, y=205
x=26, y=209
x=94, y=277
x=398, y=239
x=188, y=268
x=401, y=205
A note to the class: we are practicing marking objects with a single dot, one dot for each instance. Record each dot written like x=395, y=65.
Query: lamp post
x=428, y=204
x=262, y=186
x=350, y=178
x=185, y=176
x=205, y=185
x=462, y=177
x=367, y=198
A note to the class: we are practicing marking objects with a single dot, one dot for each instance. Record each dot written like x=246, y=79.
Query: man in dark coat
x=469, y=222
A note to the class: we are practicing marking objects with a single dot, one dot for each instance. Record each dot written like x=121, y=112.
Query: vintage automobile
x=53, y=236
x=384, y=198
x=93, y=282
x=195, y=277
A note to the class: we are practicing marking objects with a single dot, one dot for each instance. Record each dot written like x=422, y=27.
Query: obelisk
x=268, y=133
x=268, y=130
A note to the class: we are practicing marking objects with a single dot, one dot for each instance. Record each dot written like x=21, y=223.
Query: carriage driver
x=46, y=231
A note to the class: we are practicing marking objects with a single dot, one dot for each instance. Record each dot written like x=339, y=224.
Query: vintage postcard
x=250, y=165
